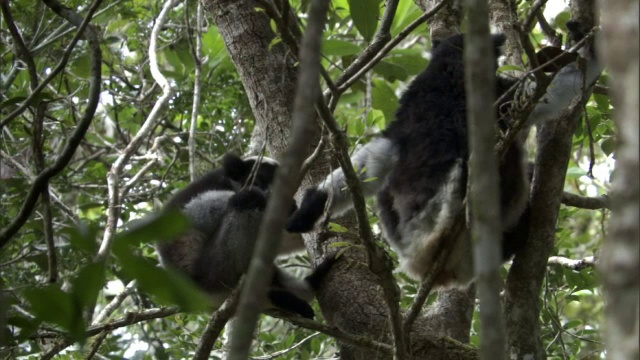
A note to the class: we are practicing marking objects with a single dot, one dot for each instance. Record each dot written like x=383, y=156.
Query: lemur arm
x=565, y=86
x=373, y=163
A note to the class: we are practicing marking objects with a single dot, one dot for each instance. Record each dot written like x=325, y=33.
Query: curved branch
x=116, y=168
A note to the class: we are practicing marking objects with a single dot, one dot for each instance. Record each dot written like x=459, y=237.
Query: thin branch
x=115, y=303
x=217, y=322
x=483, y=192
x=82, y=25
x=196, y=53
x=277, y=354
x=362, y=341
x=129, y=319
x=572, y=264
x=62, y=161
x=376, y=51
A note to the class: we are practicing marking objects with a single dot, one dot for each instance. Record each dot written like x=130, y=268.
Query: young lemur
x=419, y=166
x=225, y=208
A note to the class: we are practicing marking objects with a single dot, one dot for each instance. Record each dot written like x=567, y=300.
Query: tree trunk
x=620, y=264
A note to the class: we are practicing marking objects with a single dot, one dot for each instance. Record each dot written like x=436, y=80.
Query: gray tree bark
x=620, y=262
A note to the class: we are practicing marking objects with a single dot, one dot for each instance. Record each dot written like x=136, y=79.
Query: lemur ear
x=235, y=168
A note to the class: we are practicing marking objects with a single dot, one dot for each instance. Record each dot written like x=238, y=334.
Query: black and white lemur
x=225, y=208
x=417, y=168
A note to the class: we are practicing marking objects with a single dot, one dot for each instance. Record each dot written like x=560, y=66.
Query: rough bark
x=447, y=21
x=268, y=73
x=619, y=260
x=505, y=18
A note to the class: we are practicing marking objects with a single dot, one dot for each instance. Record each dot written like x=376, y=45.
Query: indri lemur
x=419, y=165
x=225, y=208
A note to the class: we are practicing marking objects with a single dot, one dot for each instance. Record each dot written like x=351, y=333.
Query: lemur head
x=241, y=170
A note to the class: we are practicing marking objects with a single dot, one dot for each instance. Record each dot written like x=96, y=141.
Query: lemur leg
x=373, y=163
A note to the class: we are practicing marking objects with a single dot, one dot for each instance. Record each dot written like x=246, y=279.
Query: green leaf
x=505, y=68
x=391, y=72
x=340, y=244
x=83, y=237
x=411, y=61
x=406, y=12
x=166, y=285
x=608, y=146
x=365, y=16
x=81, y=66
x=159, y=226
x=87, y=285
x=333, y=47
x=58, y=307
x=337, y=228
x=384, y=98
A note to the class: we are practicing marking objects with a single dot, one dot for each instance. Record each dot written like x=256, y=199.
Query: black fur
x=426, y=181
x=225, y=208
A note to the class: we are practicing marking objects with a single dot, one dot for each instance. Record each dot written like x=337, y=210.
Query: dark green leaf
x=332, y=47
x=365, y=16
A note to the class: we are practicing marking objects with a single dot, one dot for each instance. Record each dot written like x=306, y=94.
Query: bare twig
x=115, y=303
x=196, y=53
x=362, y=341
x=82, y=25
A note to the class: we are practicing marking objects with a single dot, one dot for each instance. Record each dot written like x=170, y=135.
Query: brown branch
x=217, y=322
x=585, y=202
x=361, y=341
x=129, y=319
